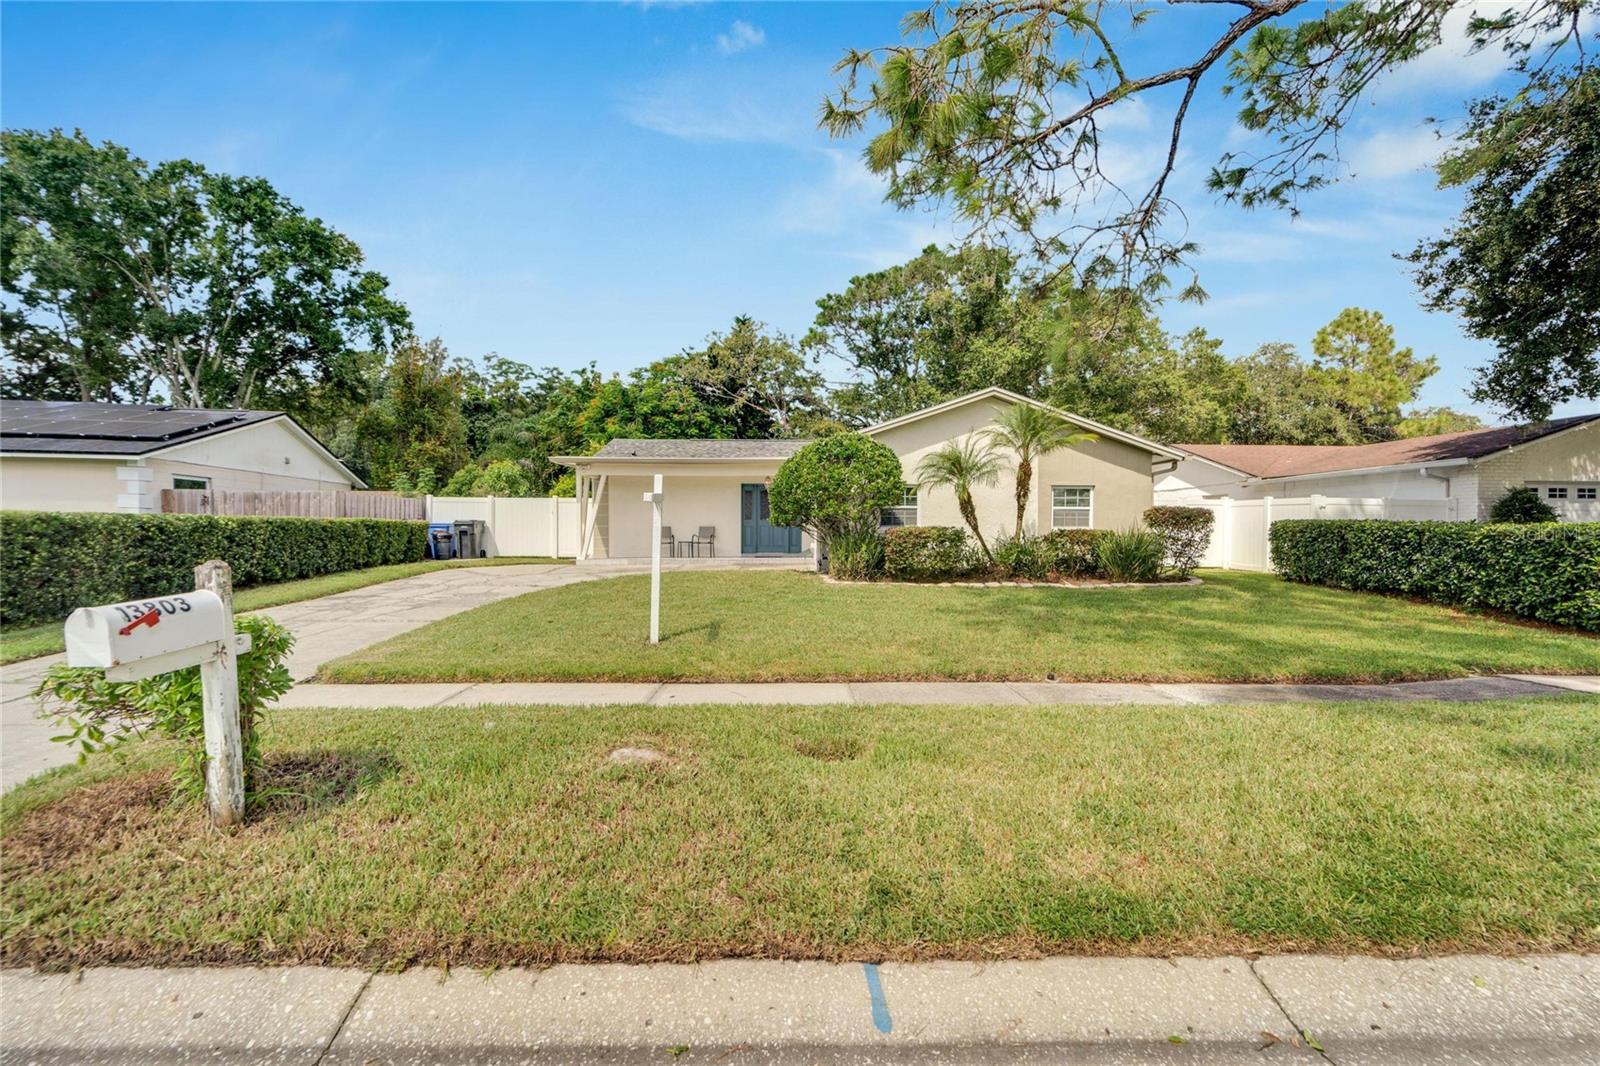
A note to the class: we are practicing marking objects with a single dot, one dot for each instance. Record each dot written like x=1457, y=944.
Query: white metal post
x=1227, y=532
x=655, y=560
x=219, y=682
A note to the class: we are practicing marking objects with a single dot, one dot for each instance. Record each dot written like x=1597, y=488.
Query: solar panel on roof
x=92, y=421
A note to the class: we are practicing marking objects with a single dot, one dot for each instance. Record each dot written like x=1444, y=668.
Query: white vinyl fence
x=1239, y=537
x=535, y=525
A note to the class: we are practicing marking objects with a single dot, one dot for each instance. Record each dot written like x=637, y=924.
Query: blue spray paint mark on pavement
x=880, y=1006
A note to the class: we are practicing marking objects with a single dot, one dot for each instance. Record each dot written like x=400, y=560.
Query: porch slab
x=771, y=693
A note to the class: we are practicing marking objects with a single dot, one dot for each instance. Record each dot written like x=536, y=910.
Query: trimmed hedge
x=1547, y=572
x=1074, y=551
x=53, y=562
x=925, y=553
x=1184, y=531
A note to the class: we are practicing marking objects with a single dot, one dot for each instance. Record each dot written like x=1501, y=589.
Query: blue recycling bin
x=441, y=540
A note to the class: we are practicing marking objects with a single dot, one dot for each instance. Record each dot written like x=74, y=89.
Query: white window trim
x=192, y=477
x=902, y=506
x=1053, y=508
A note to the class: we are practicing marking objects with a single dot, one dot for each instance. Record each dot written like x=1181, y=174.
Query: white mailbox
x=143, y=638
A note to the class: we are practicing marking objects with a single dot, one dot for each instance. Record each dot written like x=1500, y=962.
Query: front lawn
x=775, y=625
x=27, y=642
x=496, y=836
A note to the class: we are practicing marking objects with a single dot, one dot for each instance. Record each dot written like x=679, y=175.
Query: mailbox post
x=143, y=638
x=219, y=685
x=654, y=498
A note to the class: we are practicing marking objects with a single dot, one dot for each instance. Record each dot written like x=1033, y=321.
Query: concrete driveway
x=324, y=629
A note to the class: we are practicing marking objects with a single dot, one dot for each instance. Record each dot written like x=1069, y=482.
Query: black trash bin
x=469, y=539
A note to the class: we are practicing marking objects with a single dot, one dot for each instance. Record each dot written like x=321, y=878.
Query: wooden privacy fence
x=293, y=504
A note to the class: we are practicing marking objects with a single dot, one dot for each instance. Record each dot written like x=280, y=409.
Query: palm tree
x=1032, y=432
x=959, y=466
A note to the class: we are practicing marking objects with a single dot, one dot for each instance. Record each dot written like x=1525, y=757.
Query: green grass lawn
x=27, y=642
x=496, y=836
x=773, y=625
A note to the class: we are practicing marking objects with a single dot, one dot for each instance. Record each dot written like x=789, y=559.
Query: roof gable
x=997, y=393
x=1299, y=460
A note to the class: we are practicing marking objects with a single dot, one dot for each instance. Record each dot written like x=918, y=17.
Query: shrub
x=1131, y=554
x=1185, y=532
x=835, y=486
x=1073, y=551
x=855, y=555
x=100, y=715
x=1522, y=505
x=1549, y=572
x=1023, y=557
x=925, y=553
x=53, y=562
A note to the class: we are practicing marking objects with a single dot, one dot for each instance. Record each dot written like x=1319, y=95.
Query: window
x=903, y=513
x=1586, y=493
x=1071, y=506
x=180, y=481
x=1556, y=492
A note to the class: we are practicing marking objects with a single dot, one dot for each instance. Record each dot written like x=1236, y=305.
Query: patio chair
x=707, y=536
x=669, y=546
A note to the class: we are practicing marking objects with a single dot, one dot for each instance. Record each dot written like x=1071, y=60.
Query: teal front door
x=757, y=534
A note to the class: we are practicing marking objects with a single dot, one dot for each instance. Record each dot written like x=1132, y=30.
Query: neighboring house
x=1560, y=458
x=67, y=456
x=722, y=484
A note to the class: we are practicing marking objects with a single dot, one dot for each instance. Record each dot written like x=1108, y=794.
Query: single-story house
x=70, y=456
x=1106, y=483
x=1560, y=458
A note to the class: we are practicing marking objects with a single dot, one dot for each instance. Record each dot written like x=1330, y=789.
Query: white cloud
x=741, y=36
x=1395, y=152
x=693, y=110
x=1451, y=65
x=833, y=203
x=845, y=206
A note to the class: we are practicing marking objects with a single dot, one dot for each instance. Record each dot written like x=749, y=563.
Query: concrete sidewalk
x=1293, y=1008
x=1464, y=690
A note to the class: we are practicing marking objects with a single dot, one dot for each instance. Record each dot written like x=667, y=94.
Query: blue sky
x=567, y=183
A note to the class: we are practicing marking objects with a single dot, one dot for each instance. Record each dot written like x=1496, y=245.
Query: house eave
x=673, y=460
x=1393, y=468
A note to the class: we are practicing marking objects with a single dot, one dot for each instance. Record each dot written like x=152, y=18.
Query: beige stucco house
x=68, y=456
x=1559, y=458
x=721, y=485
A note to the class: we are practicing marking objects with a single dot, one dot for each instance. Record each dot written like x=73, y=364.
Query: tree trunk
x=969, y=514
x=1024, y=490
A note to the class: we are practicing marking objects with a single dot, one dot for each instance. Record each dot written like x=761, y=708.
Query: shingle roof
x=700, y=449
x=54, y=426
x=1294, y=460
